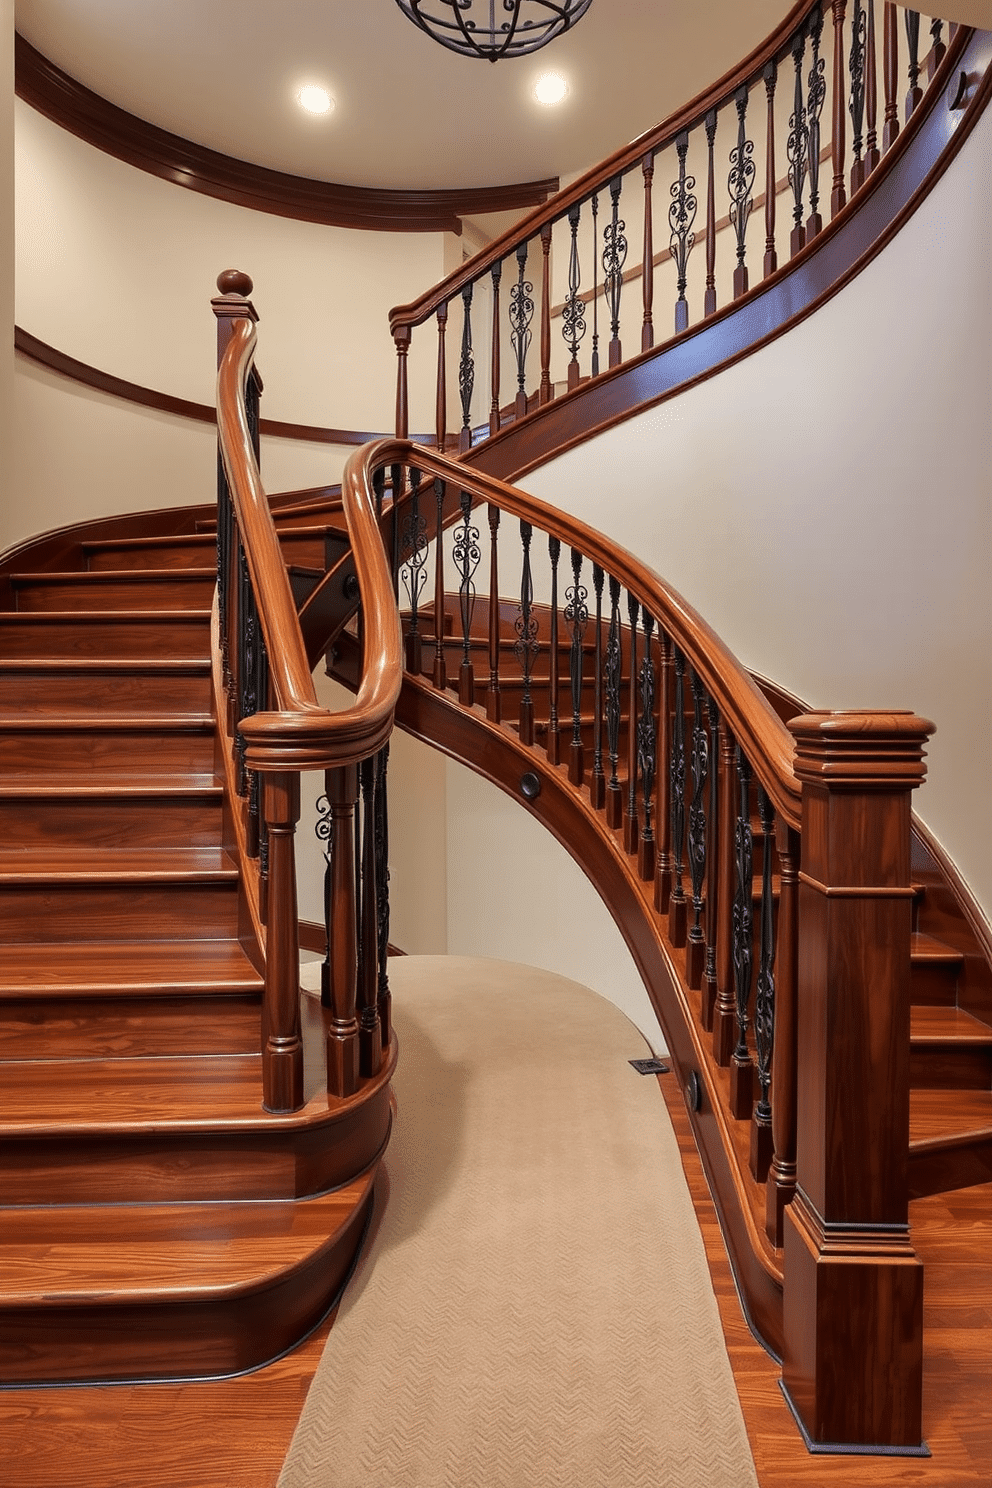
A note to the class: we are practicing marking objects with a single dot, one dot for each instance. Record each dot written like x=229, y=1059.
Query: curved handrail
x=761, y=733
x=301, y=734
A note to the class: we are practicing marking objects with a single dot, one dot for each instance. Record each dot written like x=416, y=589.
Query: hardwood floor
x=235, y=1433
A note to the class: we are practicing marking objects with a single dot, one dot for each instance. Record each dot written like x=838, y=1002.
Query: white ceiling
x=409, y=114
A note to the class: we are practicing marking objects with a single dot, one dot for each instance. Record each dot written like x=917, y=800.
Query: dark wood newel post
x=853, y=1289
x=401, y=338
x=282, y=1052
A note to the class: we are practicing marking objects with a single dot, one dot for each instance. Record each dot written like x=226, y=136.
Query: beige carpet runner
x=534, y=1308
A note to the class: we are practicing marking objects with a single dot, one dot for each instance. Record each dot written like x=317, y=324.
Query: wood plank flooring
x=235, y=1433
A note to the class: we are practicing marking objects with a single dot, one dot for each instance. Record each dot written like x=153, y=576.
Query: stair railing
x=276, y=728
x=555, y=301
x=773, y=865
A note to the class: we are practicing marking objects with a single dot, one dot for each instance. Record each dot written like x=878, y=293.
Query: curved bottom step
x=156, y=1292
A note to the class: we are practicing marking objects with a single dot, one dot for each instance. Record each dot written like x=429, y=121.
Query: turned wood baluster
x=554, y=726
x=915, y=94
x=614, y=674
x=647, y=753
x=384, y=996
x=663, y=865
x=708, y=1001
x=494, y=702
x=764, y=1001
x=525, y=647
x=937, y=49
x=282, y=1053
x=369, y=1028
x=440, y=674
x=521, y=315
x=890, y=77
x=576, y=618
x=441, y=406
x=816, y=92
x=770, y=78
x=466, y=372
x=494, y=415
x=339, y=974
x=467, y=556
x=630, y=823
x=857, y=67
x=401, y=340
x=797, y=146
x=614, y=257
x=677, y=901
x=782, y=1176
x=838, y=195
x=681, y=216
x=709, y=296
x=695, y=954
x=647, y=325
x=597, y=785
x=547, y=391
x=725, y=1011
x=741, y=1068
x=415, y=573
x=872, y=155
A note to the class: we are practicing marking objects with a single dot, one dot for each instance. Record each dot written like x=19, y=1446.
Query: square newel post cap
x=878, y=749
x=233, y=301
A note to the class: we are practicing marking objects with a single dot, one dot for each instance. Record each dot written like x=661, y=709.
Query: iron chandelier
x=514, y=28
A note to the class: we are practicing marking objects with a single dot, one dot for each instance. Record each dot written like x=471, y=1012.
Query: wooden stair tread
x=142, y=1252
x=947, y=1025
x=88, y=576
x=942, y=1118
x=115, y=666
x=101, y=617
x=927, y=948
x=102, y=865
x=108, y=785
x=149, y=968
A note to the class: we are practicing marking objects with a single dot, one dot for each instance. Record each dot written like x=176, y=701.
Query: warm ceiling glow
x=550, y=88
x=315, y=100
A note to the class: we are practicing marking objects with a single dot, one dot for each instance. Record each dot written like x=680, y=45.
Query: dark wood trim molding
x=85, y=114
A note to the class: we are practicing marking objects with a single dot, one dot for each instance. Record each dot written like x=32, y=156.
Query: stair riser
x=108, y=822
x=170, y=593
x=134, y=640
x=933, y=985
x=177, y=1335
x=80, y=1168
x=59, y=913
x=143, y=751
x=44, y=693
x=128, y=1026
x=948, y=1168
x=180, y=554
x=950, y=1068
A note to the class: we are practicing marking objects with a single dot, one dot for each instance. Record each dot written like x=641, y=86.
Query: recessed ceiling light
x=315, y=100
x=551, y=88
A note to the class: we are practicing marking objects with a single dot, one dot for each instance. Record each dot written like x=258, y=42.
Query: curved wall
x=826, y=503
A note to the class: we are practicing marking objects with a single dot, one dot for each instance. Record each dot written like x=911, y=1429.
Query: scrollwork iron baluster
x=856, y=98
x=797, y=146
x=324, y=832
x=440, y=674
x=630, y=823
x=614, y=258
x=576, y=618
x=521, y=315
x=764, y=998
x=699, y=764
x=595, y=286
x=816, y=92
x=382, y=893
x=647, y=752
x=466, y=371
x=740, y=183
x=467, y=555
x=614, y=674
x=709, y=295
x=525, y=647
x=676, y=903
x=573, y=325
x=712, y=830
x=369, y=1027
x=681, y=216
x=597, y=785
x=494, y=704
x=554, y=731
x=743, y=929
x=494, y=410
x=414, y=572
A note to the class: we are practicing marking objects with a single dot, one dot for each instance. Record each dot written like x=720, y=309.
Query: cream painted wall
x=6, y=225
x=852, y=565
x=116, y=267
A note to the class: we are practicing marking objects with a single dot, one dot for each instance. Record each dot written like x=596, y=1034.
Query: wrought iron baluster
x=379, y=489
x=872, y=155
x=676, y=902
x=630, y=821
x=614, y=258
x=525, y=647
x=937, y=48
x=494, y=705
x=225, y=524
x=247, y=704
x=597, y=785
x=725, y=1006
x=369, y=1027
x=576, y=618
x=573, y=326
x=546, y=391
x=816, y=92
x=709, y=297
x=647, y=753
x=681, y=216
x=696, y=947
x=521, y=315
x=838, y=194
x=384, y=996
x=856, y=100
x=466, y=371
x=441, y=405
x=741, y=185
x=467, y=554
x=595, y=287
x=647, y=324
x=440, y=676
x=769, y=77
x=414, y=572
x=554, y=728
x=494, y=413
x=324, y=832
x=663, y=854
x=764, y=1000
x=797, y=146
x=396, y=480
x=257, y=829
x=741, y=1099
x=614, y=675
x=712, y=829
x=915, y=94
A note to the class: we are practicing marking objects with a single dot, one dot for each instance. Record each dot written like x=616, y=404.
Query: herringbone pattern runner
x=535, y=1308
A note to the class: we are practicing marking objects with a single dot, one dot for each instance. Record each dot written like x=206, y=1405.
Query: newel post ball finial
x=233, y=281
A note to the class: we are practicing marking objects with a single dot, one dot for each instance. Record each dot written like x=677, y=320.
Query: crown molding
x=52, y=92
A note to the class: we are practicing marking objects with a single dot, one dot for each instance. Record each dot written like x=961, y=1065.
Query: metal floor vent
x=649, y=1066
